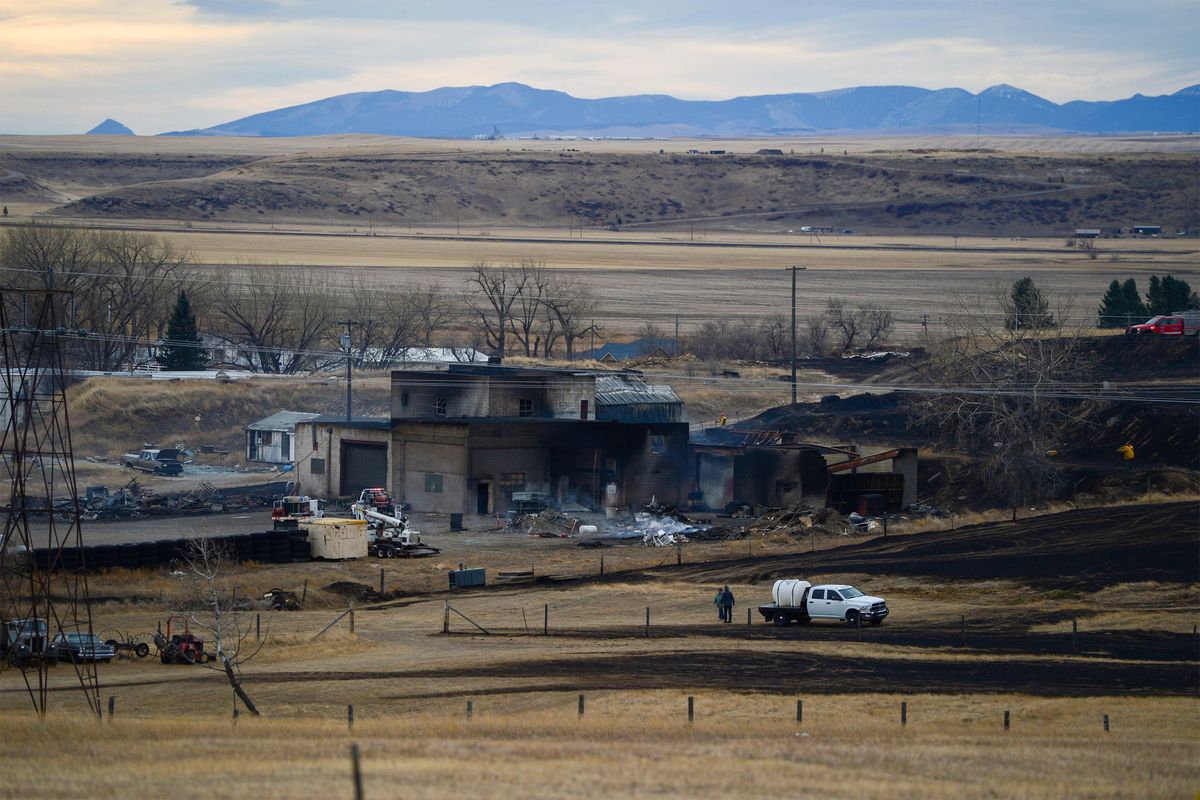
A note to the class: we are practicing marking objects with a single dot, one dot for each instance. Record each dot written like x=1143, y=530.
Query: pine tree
x=1026, y=308
x=1111, y=313
x=1167, y=296
x=1135, y=309
x=182, y=351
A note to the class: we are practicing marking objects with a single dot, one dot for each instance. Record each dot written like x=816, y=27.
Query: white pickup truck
x=800, y=601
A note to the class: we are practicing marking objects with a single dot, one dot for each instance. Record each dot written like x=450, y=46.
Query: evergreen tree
x=1121, y=305
x=1026, y=308
x=1167, y=295
x=182, y=350
x=1135, y=309
x=1111, y=313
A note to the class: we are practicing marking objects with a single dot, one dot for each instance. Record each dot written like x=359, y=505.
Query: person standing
x=727, y=604
x=717, y=602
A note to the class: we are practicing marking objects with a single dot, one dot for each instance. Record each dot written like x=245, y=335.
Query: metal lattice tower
x=41, y=569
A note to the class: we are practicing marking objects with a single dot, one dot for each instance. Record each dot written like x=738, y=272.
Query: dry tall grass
x=627, y=745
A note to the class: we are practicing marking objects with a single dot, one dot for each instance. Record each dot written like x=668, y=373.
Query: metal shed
x=271, y=440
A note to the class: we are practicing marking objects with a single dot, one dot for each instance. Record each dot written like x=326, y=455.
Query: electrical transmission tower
x=44, y=588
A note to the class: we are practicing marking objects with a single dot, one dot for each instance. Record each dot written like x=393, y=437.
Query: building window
x=658, y=444
x=264, y=437
x=513, y=481
x=439, y=406
x=433, y=482
x=525, y=407
x=317, y=466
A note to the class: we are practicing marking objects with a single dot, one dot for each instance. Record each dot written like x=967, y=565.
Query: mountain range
x=514, y=110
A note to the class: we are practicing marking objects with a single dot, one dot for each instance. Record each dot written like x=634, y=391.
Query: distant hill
x=517, y=110
x=110, y=127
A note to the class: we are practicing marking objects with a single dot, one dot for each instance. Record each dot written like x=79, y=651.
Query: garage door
x=363, y=465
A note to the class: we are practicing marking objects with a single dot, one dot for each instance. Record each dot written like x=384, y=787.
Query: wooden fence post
x=904, y=712
x=352, y=616
x=601, y=566
x=1006, y=719
x=691, y=708
x=546, y=620
x=350, y=716
x=581, y=706
x=647, y=622
x=1074, y=633
x=963, y=630
x=356, y=771
x=799, y=711
x=446, y=618
x=304, y=591
x=112, y=706
x=1106, y=723
x=470, y=708
x=381, y=580
x=258, y=627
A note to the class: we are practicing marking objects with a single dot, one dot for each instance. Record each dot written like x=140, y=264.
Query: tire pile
x=267, y=547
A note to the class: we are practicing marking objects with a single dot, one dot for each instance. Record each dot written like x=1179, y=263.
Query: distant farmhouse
x=624, y=351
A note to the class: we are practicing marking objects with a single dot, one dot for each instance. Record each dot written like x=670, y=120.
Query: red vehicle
x=180, y=648
x=1183, y=323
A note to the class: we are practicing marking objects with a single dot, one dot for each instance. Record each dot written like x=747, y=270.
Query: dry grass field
x=410, y=685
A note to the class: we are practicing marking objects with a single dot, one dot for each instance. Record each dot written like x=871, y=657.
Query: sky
x=159, y=65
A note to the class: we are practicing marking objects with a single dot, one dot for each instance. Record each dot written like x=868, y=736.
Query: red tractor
x=180, y=648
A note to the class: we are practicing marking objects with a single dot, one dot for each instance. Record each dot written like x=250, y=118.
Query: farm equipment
x=127, y=645
x=388, y=534
x=180, y=648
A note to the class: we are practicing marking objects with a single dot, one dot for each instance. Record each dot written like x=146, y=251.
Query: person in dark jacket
x=717, y=602
x=727, y=604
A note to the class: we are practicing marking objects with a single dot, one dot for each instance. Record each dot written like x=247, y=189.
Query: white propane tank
x=588, y=529
x=789, y=592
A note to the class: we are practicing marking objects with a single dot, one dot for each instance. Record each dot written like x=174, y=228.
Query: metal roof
x=362, y=423
x=617, y=390
x=281, y=421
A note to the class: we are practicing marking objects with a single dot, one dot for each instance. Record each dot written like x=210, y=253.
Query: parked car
x=81, y=647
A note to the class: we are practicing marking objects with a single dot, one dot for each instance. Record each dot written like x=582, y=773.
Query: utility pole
x=794, y=270
x=345, y=341
x=676, y=353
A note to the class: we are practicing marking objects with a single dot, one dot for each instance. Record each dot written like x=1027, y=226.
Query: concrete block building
x=482, y=439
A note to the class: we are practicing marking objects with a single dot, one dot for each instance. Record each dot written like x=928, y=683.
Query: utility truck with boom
x=388, y=533
x=800, y=601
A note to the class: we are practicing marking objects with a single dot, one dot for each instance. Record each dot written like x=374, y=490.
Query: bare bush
x=880, y=324
x=1003, y=394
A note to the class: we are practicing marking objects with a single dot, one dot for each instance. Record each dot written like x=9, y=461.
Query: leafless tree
x=816, y=336
x=275, y=319
x=496, y=291
x=212, y=607
x=846, y=322
x=123, y=285
x=880, y=324
x=1002, y=394
x=573, y=307
x=432, y=307
x=777, y=336
x=527, y=320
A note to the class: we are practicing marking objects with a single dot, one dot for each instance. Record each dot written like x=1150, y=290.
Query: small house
x=272, y=440
x=623, y=351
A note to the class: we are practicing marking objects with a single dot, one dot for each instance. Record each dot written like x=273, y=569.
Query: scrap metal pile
x=134, y=501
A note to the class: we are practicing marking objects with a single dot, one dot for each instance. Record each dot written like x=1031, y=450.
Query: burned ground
x=1085, y=549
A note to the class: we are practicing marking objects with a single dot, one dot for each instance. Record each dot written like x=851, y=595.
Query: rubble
x=653, y=530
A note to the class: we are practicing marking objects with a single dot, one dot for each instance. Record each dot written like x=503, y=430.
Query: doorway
x=483, y=496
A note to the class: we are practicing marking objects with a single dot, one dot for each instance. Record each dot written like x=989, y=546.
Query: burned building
x=483, y=439
x=773, y=469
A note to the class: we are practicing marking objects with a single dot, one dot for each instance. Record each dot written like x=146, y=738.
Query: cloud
x=160, y=64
